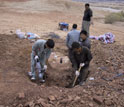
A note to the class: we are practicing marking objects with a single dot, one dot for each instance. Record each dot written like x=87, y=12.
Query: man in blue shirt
x=72, y=36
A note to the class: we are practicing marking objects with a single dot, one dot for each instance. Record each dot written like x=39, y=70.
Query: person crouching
x=41, y=51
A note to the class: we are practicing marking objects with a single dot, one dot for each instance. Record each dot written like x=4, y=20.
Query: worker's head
x=83, y=35
x=76, y=47
x=74, y=26
x=87, y=5
x=50, y=44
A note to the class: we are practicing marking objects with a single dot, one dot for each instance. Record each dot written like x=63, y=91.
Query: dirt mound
x=17, y=90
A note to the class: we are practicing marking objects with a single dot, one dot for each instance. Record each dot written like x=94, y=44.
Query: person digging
x=41, y=51
x=81, y=61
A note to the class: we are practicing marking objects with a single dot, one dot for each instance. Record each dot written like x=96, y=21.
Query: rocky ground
x=16, y=89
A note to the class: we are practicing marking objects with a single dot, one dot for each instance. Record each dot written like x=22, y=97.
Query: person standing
x=87, y=19
x=72, y=36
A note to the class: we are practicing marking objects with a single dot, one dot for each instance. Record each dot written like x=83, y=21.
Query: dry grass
x=114, y=17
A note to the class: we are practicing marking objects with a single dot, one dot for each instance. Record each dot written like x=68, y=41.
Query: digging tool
x=76, y=77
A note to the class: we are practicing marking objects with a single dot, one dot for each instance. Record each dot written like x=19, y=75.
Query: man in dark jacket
x=81, y=58
x=84, y=40
x=87, y=19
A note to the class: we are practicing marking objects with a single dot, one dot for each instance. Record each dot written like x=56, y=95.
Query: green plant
x=114, y=17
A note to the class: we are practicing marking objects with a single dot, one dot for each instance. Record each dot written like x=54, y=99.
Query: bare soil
x=15, y=63
x=42, y=17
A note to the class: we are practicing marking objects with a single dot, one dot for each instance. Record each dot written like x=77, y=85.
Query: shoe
x=30, y=74
x=81, y=83
x=42, y=81
x=33, y=78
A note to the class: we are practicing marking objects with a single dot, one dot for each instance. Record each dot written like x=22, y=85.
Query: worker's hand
x=82, y=64
x=77, y=73
x=36, y=57
x=45, y=67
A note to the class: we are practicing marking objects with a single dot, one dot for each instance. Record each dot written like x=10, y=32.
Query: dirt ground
x=42, y=17
x=14, y=81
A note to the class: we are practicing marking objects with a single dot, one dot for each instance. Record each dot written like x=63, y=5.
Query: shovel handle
x=76, y=77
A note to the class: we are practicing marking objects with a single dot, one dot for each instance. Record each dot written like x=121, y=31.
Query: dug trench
x=108, y=61
x=15, y=54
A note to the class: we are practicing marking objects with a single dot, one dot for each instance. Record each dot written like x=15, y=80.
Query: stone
x=84, y=91
x=14, y=105
x=98, y=100
x=91, y=104
x=21, y=95
x=77, y=98
x=64, y=101
x=70, y=98
x=37, y=105
x=108, y=102
x=20, y=105
x=52, y=98
x=107, y=61
x=11, y=31
x=40, y=101
x=45, y=105
x=29, y=104
x=122, y=91
x=82, y=101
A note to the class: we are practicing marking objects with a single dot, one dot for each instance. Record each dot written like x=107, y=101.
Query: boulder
x=98, y=100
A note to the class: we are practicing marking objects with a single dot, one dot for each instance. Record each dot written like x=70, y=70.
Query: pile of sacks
x=27, y=35
x=106, y=38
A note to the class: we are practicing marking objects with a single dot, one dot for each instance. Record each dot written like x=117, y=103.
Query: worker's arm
x=47, y=56
x=89, y=57
x=91, y=22
x=74, y=63
x=91, y=16
x=67, y=40
x=88, y=43
x=35, y=48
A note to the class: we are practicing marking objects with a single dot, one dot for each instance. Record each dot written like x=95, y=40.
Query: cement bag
x=20, y=34
x=32, y=35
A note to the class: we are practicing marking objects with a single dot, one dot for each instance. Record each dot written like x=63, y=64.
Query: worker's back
x=73, y=36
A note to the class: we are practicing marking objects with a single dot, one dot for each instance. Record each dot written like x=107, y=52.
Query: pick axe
x=76, y=77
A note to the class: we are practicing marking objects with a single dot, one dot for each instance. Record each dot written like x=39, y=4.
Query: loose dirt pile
x=16, y=90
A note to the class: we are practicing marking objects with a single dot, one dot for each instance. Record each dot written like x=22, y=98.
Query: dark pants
x=70, y=55
x=83, y=74
x=86, y=26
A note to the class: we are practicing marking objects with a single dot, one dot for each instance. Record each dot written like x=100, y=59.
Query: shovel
x=76, y=77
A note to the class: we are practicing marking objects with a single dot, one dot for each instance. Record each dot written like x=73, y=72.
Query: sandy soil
x=42, y=17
